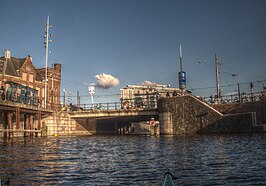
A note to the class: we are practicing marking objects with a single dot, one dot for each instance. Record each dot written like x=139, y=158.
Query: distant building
x=20, y=81
x=145, y=96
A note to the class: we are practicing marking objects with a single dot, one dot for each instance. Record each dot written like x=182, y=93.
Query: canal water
x=134, y=160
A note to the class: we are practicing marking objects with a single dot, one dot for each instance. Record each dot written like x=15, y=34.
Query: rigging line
x=237, y=72
x=71, y=82
x=228, y=85
x=200, y=61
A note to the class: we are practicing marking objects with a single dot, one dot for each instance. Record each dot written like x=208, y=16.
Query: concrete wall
x=62, y=124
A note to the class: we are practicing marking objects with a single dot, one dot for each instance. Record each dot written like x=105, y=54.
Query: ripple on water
x=135, y=160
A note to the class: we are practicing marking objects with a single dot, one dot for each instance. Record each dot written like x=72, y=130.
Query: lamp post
x=238, y=87
x=46, y=36
x=91, y=92
x=64, y=98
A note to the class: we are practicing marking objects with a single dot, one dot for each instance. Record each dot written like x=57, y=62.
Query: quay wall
x=185, y=115
x=234, y=123
x=257, y=106
x=188, y=115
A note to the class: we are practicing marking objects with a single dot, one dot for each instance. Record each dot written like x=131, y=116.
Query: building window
x=24, y=76
x=30, y=77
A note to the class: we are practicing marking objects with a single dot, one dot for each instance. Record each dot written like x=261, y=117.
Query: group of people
x=2, y=93
x=15, y=94
x=169, y=95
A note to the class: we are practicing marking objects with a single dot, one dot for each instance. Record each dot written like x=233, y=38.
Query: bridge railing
x=125, y=104
x=244, y=97
x=97, y=106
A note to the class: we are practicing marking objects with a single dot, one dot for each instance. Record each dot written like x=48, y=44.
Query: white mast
x=180, y=58
x=46, y=36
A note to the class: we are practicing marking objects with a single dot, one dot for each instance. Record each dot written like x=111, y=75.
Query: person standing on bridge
x=9, y=93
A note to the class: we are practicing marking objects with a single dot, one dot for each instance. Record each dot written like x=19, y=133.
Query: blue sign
x=182, y=79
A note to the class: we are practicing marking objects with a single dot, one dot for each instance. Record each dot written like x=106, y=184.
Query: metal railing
x=245, y=97
x=124, y=104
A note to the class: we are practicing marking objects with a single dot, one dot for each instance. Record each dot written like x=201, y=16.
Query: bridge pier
x=39, y=118
x=17, y=118
x=31, y=124
x=9, y=123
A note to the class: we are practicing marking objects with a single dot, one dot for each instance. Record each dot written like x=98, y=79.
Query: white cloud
x=106, y=81
x=148, y=83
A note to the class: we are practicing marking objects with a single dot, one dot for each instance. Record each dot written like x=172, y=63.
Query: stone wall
x=166, y=123
x=187, y=113
x=233, y=123
x=60, y=123
x=257, y=106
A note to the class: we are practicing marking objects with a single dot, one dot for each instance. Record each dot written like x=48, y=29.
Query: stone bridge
x=96, y=121
x=185, y=115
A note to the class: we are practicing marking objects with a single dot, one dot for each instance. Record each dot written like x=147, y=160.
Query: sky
x=138, y=40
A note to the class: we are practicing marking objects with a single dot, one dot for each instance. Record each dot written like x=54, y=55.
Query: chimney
x=7, y=54
x=30, y=57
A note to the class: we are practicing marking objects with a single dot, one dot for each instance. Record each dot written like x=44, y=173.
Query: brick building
x=21, y=82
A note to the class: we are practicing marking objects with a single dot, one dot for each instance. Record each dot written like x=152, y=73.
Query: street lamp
x=64, y=97
x=238, y=87
x=91, y=92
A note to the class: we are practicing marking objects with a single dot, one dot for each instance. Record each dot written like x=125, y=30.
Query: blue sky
x=138, y=40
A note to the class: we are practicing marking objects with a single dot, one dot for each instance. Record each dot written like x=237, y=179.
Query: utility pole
x=263, y=86
x=251, y=90
x=217, y=78
x=238, y=87
x=78, y=99
x=46, y=36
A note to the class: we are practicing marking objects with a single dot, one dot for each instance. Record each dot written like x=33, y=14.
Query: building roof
x=11, y=66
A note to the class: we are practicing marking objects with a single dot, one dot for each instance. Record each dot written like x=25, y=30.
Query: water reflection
x=134, y=160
